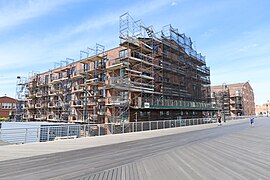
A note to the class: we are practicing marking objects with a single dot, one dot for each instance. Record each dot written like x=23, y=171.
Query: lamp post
x=223, y=100
x=267, y=108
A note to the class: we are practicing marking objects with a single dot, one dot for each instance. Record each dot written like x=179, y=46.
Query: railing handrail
x=49, y=132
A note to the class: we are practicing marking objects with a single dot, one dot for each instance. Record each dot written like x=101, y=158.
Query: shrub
x=3, y=119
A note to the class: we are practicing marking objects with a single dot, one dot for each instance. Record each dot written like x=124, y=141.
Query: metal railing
x=50, y=132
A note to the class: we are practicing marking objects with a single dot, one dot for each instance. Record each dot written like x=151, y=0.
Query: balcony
x=38, y=105
x=51, y=105
x=39, y=94
x=116, y=101
x=76, y=89
x=51, y=117
x=39, y=117
x=77, y=103
x=204, y=70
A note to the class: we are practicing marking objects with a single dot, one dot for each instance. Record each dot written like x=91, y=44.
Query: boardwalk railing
x=51, y=133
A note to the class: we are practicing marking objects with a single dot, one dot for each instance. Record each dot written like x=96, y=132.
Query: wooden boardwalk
x=240, y=155
x=2, y=143
x=232, y=151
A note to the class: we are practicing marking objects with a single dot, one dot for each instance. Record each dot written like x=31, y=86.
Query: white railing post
x=25, y=137
x=150, y=126
x=163, y=125
x=99, y=130
x=48, y=133
x=67, y=130
x=38, y=134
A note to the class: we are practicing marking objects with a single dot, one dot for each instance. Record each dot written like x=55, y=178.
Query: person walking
x=252, y=121
x=219, y=120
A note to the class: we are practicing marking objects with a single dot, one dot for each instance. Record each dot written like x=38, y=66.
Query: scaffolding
x=153, y=69
x=93, y=74
x=21, y=97
x=150, y=71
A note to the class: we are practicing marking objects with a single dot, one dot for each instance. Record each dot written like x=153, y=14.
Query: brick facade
x=241, y=98
x=7, y=107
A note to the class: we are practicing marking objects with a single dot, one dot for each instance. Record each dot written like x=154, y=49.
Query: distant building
x=234, y=99
x=7, y=107
x=262, y=110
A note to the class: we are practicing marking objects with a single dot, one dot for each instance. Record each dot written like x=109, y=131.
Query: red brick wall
x=249, y=104
x=6, y=111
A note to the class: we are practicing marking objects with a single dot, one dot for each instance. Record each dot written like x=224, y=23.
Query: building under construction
x=150, y=76
x=234, y=99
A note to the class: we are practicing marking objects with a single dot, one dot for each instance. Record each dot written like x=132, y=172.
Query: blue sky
x=234, y=35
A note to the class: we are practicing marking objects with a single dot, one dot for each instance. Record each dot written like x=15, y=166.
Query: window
x=7, y=106
x=51, y=77
x=96, y=77
x=123, y=53
x=96, y=64
x=46, y=79
x=102, y=76
x=122, y=72
x=73, y=70
x=103, y=62
x=60, y=75
x=161, y=113
x=102, y=92
x=68, y=71
x=85, y=67
x=144, y=113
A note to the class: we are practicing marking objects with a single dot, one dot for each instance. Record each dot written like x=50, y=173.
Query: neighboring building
x=263, y=110
x=150, y=76
x=7, y=107
x=234, y=99
x=220, y=98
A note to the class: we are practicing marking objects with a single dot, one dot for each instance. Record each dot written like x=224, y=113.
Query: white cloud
x=17, y=12
x=28, y=53
x=173, y=3
x=244, y=58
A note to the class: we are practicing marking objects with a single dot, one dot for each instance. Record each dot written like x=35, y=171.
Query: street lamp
x=224, y=87
x=267, y=108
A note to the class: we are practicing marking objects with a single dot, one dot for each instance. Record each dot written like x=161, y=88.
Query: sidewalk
x=10, y=152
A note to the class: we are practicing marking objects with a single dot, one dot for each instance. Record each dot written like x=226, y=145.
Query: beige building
x=263, y=110
x=234, y=99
